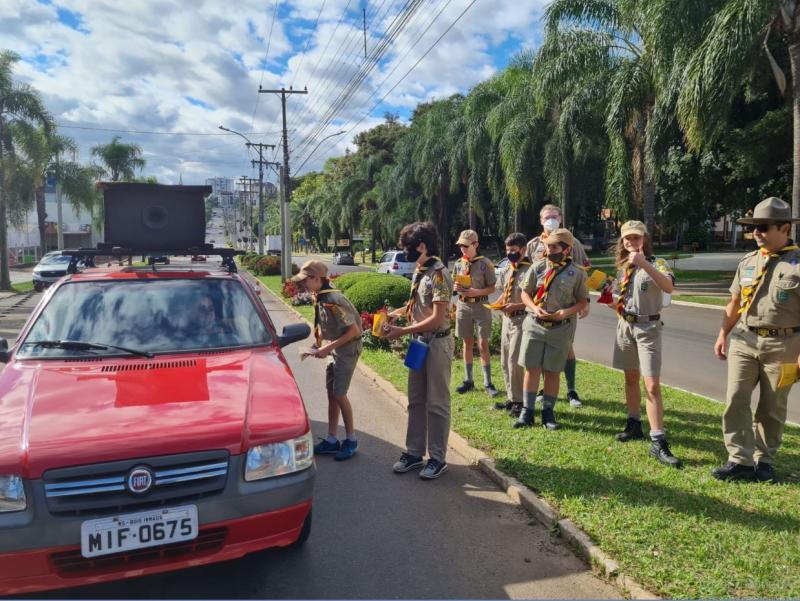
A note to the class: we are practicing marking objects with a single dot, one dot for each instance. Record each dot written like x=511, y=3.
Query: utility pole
x=260, y=162
x=242, y=195
x=286, y=254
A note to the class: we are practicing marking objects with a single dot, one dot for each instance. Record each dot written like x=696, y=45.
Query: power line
x=160, y=133
x=264, y=66
x=308, y=41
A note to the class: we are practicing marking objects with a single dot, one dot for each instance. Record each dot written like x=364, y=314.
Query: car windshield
x=56, y=259
x=400, y=258
x=155, y=316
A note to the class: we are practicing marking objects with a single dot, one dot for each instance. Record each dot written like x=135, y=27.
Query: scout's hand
x=720, y=346
x=322, y=352
x=585, y=312
x=392, y=332
x=558, y=315
x=637, y=258
x=507, y=308
x=541, y=313
x=463, y=291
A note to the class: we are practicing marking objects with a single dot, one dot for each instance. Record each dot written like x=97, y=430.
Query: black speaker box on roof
x=154, y=216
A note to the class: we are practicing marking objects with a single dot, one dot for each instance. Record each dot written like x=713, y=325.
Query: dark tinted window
x=401, y=257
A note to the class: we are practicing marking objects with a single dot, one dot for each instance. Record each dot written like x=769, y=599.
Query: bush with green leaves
x=374, y=291
x=346, y=280
x=494, y=337
x=269, y=265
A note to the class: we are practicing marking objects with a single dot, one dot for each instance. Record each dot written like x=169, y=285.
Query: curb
x=520, y=494
x=681, y=303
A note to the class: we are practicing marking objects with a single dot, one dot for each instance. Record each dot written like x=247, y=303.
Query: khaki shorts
x=638, y=347
x=545, y=348
x=339, y=372
x=470, y=315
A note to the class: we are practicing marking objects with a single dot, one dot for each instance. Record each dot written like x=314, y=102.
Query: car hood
x=58, y=414
x=51, y=267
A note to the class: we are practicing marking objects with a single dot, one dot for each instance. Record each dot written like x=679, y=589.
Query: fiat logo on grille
x=140, y=480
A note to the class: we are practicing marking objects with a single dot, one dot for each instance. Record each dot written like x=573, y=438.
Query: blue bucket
x=416, y=355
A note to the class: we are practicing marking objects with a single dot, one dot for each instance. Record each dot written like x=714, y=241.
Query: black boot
x=549, y=419
x=526, y=419
x=466, y=386
x=734, y=471
x=503, y=406
x=765, y=472
x=515, y=409
x=660, y=450
x=632, y=431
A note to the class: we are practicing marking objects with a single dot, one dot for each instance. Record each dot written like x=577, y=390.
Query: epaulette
x=751, y=254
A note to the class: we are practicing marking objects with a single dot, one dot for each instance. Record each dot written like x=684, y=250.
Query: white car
x=394, y=262
x=50, y=269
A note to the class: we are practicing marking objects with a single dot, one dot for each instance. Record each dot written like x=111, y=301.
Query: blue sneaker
x=323, y=447
x=347, y=450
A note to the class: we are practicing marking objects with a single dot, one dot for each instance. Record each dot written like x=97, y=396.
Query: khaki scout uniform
x=334, y=314
x=470, y=312
x=429, y=387
x=764, y=348
x=537, y=246
x=511, y=335
x=546, y=344
x=638, y=341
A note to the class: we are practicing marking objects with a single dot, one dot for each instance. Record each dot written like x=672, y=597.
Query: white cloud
x=132, y=66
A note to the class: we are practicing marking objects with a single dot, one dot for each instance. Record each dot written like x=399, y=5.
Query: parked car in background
x=501, y=266
x=199, y=258
x=394, y=262
x=50, y=269
x=158, y=259
x=343, y=258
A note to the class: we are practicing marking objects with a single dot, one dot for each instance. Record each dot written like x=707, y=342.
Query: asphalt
x=377, y=534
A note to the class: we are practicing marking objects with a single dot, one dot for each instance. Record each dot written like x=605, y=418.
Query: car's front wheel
x=38, y=286
x=304, y=533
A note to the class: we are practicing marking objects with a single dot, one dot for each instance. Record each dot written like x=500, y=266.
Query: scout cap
x=633, y=227
x=467, y=237
x=561, y=235
x=311, y=268
x=771, y=210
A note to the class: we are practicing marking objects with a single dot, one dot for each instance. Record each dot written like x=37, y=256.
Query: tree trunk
x=471, y=214
x=374, y=241
x=794, y=59
x=442, y=223
x=5, y=276
x=649, y=202
x=41, y=217
x=566, y=193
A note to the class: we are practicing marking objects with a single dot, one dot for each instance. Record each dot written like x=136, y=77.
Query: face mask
x=412, y=254
x=556, y=257
x=514, y=257
x=551, y=224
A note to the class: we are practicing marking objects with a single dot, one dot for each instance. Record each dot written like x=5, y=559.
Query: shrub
x=270, y=265
x=375, y=290
x=345, y=281
x=494, y=338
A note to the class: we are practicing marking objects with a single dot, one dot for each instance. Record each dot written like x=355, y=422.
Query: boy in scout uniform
x=428, y=315
x=550, y=217
x=553, y=291
x=513, y=314
x=763, y=323
x=337, y=322
x=470, y=312
x=641, y=282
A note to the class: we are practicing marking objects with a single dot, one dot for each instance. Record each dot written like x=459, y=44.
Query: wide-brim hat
x=467, y=237
x=561, y=235
x=311, y=268
x=771, y=210
x=633, y=227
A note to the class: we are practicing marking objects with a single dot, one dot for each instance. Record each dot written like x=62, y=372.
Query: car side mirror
x=4, y=354
x=294, y=333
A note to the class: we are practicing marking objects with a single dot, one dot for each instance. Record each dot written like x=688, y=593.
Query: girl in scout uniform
x=475, y=281
x=513, y=313
x=336, y=321
x=641, y=283
x=428, y=315
x=553, y=292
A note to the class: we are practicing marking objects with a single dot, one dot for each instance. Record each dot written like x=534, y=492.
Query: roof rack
x=87, y=255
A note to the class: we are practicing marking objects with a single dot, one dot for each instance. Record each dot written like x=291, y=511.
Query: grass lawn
x=680, y=533
x=22, y=287
x=703, y=300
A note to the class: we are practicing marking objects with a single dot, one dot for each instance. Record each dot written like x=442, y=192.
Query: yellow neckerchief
x=749, y=292
x=623, y=288
x=468, y=263
x=549, y=278
x=412, y=297
x=315, y=302
x=512, y=278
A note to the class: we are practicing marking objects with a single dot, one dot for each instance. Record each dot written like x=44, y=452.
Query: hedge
x=346, y=280
x=373, y=290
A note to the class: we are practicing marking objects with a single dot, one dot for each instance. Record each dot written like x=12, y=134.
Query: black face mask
x=514, y=257
x=556, y=257
x=412, y=254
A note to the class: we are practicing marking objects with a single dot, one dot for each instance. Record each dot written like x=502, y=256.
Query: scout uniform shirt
x=481, y=270
x=333, y=315
x=567, y=288
x=537, y=246
x=431, y=284
x=776, y=302
x=642, y=296
x=510, y=286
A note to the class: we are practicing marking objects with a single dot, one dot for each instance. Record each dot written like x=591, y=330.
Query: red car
x=148, y=422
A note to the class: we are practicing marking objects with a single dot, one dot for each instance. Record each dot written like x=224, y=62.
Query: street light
x=338, y=133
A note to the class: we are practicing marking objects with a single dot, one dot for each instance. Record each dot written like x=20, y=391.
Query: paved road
x=381, y=535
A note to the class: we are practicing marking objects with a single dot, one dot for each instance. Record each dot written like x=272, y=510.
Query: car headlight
x=12, y=494
x=279, y=458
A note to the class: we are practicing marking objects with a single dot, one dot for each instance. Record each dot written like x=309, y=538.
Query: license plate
x=138, y=530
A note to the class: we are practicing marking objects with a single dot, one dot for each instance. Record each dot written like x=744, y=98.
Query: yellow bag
x=597, y=280
x=378, y=321
x=464, y=280
x=788, y=375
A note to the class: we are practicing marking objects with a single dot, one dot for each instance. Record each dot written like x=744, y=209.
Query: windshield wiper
x=88, y=346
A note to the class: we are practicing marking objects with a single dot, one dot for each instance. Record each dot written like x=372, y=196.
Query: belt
x=442, y=334
x=767, y=332
x=473, y=299
x=633, y=318
x=551, y=324
x=516, y=313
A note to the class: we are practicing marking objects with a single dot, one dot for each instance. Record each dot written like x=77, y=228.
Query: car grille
x=102, y=489
x=52, y=274
x=72, y=563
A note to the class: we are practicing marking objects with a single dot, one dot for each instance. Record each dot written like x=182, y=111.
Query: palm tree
x=741, y=35
x=20, y=105
x=121, y=161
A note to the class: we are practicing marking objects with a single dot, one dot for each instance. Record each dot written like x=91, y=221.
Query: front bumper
x=39, y=551
x=46, y=280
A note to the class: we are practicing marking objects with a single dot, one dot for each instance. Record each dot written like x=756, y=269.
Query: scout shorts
x=472, y=315
x=339, y=371
x=638, y=347
x=545, y=348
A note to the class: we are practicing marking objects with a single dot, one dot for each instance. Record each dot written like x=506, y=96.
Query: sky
x=108, y=67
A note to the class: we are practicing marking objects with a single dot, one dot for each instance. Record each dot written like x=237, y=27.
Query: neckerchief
x=623, y=288
x=315, y=302
x=412, y=297
x=749, y=292
x=468, y=263
x=549, y=278
x=511, y=280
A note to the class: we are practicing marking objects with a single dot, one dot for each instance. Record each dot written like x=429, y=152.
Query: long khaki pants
x=429, y=402
x=755, y=360
x=513, y=374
